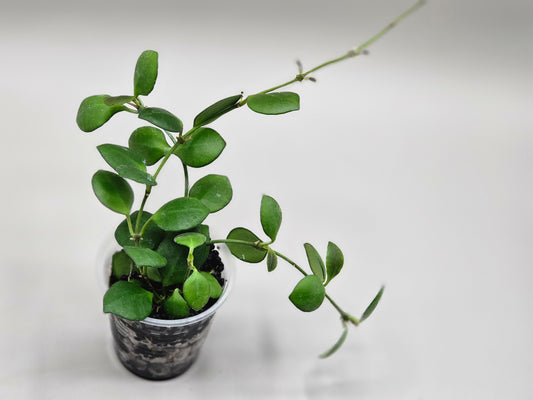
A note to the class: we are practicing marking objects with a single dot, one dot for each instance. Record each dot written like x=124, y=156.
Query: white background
x=415, y=160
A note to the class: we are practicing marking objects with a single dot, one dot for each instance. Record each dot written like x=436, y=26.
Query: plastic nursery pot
x=160, y=349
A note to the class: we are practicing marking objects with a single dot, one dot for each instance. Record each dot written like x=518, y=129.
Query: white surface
x=415, y=160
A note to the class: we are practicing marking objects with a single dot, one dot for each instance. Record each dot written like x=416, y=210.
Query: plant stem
x=130, y=227
x=147, y=192
x=186, y=175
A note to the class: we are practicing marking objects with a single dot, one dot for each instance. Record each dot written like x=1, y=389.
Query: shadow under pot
x=160, y=349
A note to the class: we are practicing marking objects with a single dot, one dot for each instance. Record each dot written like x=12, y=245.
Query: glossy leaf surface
x=315, y=262
x=270, y=216
x=181, y=214
x=161, y=118
x=93, y=112
x=334, y=260
x=196, y=290
x=215, y=290
x=128, y=164
x=274, y=103
x=176, y=306
x=145, y=73
x=308, y=294
x=204, y=147
x=245, y=252
x=149, y=143
x=113, y=191
x=128, y=300
x=191, y=240
x=214, y=191
x=216, y=110
x=144, y=257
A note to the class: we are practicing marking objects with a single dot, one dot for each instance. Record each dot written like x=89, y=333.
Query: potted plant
x=166, y=278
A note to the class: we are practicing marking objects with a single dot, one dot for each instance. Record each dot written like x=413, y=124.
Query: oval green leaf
x=215, y=290
x=334, y=261
x=270, y=216
x=274, y=103
x=196, y=290
x=216, y=110
x=128, y=164
x=121, y=264
x=190, y=239
x=204, y=147
x=128, y=300
x=136, y=175
x=244, y=252
x=339, y=342
x=308, y=294
x=145, y=257
x=181, y=214
x=176, y=270
x=176, y=306
x=372, y=306
x=145, y=73
x=272, y=260
x=113, y=191
x=162, y=119
x=117, y=100
x=149, y=143
x=214, y=191
x=315, y=262
x=93, y=112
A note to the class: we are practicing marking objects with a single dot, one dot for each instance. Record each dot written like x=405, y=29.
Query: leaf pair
x=334, y=262
x=199, y=288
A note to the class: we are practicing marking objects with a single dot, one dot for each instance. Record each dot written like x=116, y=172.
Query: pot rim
x=103, y=266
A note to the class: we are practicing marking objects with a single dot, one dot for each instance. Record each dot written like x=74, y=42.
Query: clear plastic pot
x=160, y=349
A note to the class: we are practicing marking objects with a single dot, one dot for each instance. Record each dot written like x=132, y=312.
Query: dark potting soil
x=213, y=263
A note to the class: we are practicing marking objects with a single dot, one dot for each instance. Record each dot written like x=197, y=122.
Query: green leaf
x=315, y=262
x=214, y=191
x=93, y=112
x=122, y=264
x=127, y=164
x=181, y=214
x=190, y=239
x=216, y=110
x=161, y=118
x=274, y=103
x=270, y=216
x=128, y=300
x=372, y=306
x=149, y=143
x=117, y=100
x=339, y=342
x=204, y=147
x=334, y=261
x=215, y=290
x=245, y=252
x=272, y=260
x=145, y=73
x=152, y=236
x=196, y=290
x=136, y=175
x=113, y=191
x=176, y=306
x=176, y=270
x=144, y=257
x=153, y=274
x=308, y=294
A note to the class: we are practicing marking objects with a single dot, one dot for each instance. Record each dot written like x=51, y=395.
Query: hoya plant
x=168, y=266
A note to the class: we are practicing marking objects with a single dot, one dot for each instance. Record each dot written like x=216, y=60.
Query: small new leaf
x=113, y=191
x=145, y=73
x=176, y=306
x=274, y=103
x=372, y=306
x=196, y=290
x=215, y=290
x=216, y=110
x=272, y=260
x=270, y=216
x=128, y=300
x=334, y=261
x=315, y=262
x=190, y=239
x=308, y=294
